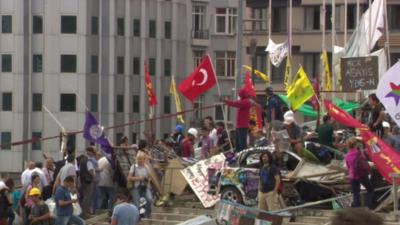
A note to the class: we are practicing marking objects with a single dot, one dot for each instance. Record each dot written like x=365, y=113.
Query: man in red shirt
x=187, y=143
x=242, y=117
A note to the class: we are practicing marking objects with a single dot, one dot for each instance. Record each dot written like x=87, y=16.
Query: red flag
x=248, y=85
x=314, y=99
x=201, y=79
x=149, y=87
x=385, y=159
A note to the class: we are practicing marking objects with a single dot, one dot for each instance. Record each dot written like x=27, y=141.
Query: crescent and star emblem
x=205, y=78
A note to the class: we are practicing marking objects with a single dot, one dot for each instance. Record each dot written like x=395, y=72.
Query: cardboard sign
x=197, y=177
x=359, y=73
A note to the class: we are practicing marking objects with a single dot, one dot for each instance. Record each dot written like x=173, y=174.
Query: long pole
x=269, y=35
x=290, y=38
x=345, y=33
x=370, y=25
x=333, y=44
x=387, y=43
x=358, y=12
x=323, y=47
x=239, y=63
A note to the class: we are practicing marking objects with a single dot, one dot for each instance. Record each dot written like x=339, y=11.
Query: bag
x=84, y=174
x=76, y=207
x=130, y=184
x=362, y=167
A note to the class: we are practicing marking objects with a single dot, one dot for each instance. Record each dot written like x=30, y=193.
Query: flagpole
x=370, y=24
x=290, y=36
x=323, y=47
x=223, y=109
x=59, y=124
x=358, y=12
x=345, y=34
x=333, y=75
x=387, y=43
x=269, y=38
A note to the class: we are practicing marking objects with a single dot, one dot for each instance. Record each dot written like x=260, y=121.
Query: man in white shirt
x=27, y=174
x=106, y=183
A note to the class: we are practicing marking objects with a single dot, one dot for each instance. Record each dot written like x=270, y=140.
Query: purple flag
x=93, y=132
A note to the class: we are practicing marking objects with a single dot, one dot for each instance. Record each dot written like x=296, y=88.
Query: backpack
x=84, y=174
x=361, y=166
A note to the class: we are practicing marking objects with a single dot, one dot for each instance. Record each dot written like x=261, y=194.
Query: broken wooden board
x=173, y=181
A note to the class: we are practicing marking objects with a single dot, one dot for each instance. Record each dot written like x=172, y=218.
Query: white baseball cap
x=385, y=124
x=193, y=131
x=288, y=117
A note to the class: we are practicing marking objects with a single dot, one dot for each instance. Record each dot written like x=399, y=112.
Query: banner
x=277, y=52
x=388, y=92
x=359, y=73
x=327, y=72
x=385, y=159
x=150, y=91
x=178, y=105
x=93, y=132
x=197, y=177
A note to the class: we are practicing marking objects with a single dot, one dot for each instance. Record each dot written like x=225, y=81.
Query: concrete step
x=185, y=211
x=171, y=216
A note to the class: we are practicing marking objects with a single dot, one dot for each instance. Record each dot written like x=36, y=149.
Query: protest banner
x=197, y=177
x=359, y=73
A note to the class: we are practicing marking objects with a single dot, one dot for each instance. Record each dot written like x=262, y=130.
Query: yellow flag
x=287, y=73
x=258, y=73
x=327, y=72
x=300, y=90
x=172, y=91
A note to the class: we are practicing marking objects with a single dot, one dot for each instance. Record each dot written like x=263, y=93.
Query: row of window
x=69, y=26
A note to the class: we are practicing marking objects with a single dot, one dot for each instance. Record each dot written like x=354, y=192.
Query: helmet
x=193, y=131
x=179, y=128
x=34, y=192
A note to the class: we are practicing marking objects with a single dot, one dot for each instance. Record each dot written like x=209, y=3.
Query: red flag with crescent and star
x=199, y=81
x=149, y=87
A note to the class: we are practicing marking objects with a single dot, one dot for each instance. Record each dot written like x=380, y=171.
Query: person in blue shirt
x=124, y=213
x=64, y=204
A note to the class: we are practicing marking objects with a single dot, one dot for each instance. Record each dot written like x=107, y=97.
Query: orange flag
x=149, y=87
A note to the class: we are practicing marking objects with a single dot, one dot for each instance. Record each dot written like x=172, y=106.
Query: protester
x=67, y=170
x=178, y=137
x=396, y=135
x=294, y=132
x=5, y=203
x=188, y=142
x=208, y=122
x=268, y=195
x=26, y=175
x=223, y=139
x=124, y=213
x=207, y=144
x=377, y=115
x=143, y=148
x=64, y=208
x=11, y=190
x=40, y=214
x=87, y=175
x=388, y=137
x=139, y=174
x=359, y=171
x=106, y=183
x=124, y=141
x=242, y=117
x=35, y=183
x=48, y=171
x=92, y=157
x=272, y=109
x=325, y=131
x=338, y=140
x=356, y=216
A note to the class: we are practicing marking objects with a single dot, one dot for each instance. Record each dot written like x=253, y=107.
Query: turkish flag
x=201, y=79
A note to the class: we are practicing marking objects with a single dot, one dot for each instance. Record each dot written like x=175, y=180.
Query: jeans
x=11, y=217
x=106, y=197
x=241, y=139
x=136, y=194
x=96, y=198
x=65, y=220
x=87, y=195
x=356, y=187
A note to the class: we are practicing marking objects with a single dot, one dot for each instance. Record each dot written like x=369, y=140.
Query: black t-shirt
x=267, y=178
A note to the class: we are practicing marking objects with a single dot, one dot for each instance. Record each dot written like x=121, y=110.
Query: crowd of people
x=86, y=181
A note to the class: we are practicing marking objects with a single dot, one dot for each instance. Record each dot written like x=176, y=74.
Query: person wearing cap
x=40, y=213
x=188, y=142
x=294, y=132
x=272, y=109
x=388, y=137
x=178, y=137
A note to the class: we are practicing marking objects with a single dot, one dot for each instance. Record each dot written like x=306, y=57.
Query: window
x=352, y=16
x=120, y=26
x=197, y=56
x=279, y=19
x=225, y=20
x=7, y=102
x=37, y=64
x=219, y=113
x=6, y=140
x=167, y=29
x=198, y=20
x=67, y=102
x=37, y=24
x=135, y=104
x=394, y=17
x=259, y=15
x=167, y=67
x=68, y=64
x=71, y=143
x=136, y=65
x=37, y=102
x=311, y=17
x=136, y=27
x=68, y=24
x=37, y=145
x=198, y=113
x=94, y=103
x=6, y=24
x=120, y=65
x=95, y=25
x=328, y=17
x=152, y=66
x=134, y=138
x=120, y=103
x=6, y=63
x=167, y=104
x=94, y=64
x=311, y=64
x=152, y=28
x=118, y=137
x=225, y=63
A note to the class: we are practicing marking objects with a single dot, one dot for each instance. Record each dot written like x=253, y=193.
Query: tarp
x=308, y=110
